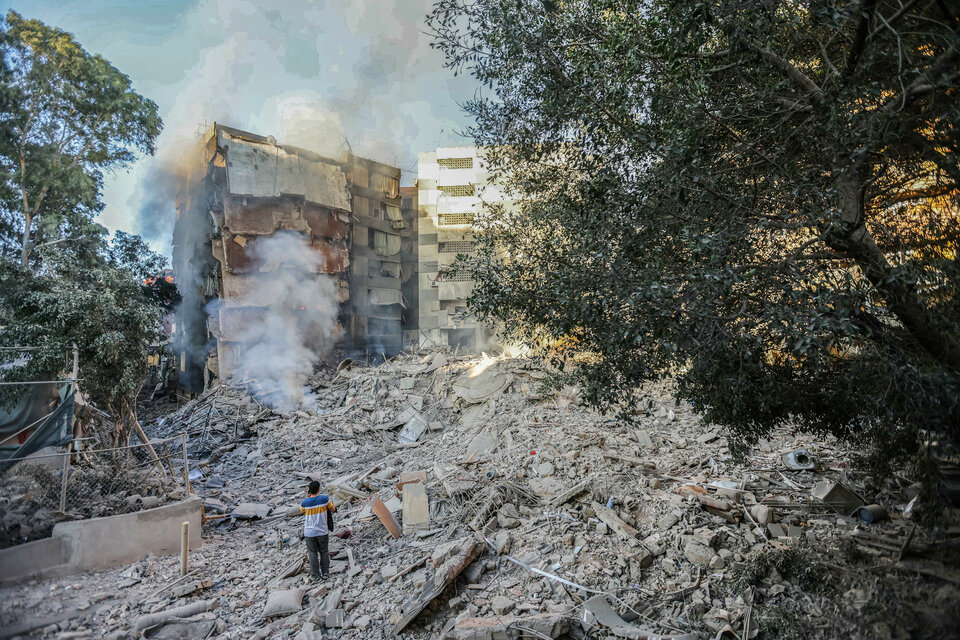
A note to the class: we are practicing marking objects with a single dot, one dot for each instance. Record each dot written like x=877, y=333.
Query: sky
x=317, y=74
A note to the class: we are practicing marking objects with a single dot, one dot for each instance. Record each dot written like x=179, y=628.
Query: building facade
x=242, y=188
x=410, y=268
x=452, y=182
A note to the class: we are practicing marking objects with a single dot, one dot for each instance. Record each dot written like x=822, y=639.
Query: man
x=316, y=530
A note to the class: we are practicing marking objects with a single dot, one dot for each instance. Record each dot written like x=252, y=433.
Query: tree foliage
x=98, y=304
x=758, y=197
x=66, y=117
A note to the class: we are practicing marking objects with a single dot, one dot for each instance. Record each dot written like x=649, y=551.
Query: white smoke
x=332, y=77
x=299, y=319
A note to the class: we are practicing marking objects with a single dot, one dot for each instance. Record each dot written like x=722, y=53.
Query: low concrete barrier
x=30, y=559
x=103, y=542
x=97, y=543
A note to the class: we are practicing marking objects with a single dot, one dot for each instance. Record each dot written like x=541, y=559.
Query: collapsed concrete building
x=242, y=188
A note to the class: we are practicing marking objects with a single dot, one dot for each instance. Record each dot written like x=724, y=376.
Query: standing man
x=316, y=530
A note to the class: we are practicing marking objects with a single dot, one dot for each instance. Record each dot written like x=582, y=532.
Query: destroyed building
x=242, y=188
x=409, y=267
x=452, y=182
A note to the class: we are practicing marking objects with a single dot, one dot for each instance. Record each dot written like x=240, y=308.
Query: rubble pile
x=475, y=503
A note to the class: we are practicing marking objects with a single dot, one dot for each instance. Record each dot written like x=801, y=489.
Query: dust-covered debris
x=510, y=511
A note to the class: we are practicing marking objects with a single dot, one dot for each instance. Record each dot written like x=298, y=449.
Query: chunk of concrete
x=481, y=443
x=762, y=514
x=477, y=388
x=408, y=477
x=466, y=550
x=416, y=508
x=334, y=619
x=413, y=429
x=612, y=520
x=501, y=604
x=698, y=553
x=598, y=610
x=543, y=625
x=250, y=511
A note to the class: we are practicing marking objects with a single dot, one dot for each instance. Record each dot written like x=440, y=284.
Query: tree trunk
x=25, y=251
x=901, y=298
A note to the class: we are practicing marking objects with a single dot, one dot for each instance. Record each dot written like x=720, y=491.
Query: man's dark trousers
x=315, y=545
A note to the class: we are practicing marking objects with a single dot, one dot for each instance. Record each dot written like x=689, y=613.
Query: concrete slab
x=416, y=508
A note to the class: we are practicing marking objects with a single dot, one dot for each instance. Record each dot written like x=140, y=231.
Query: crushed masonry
x=473, y=502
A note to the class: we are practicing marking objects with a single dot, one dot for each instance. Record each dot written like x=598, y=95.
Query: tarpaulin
x=53, y=428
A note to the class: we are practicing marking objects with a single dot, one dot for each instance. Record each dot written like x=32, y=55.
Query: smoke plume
x=298, y=322
x=333, y=77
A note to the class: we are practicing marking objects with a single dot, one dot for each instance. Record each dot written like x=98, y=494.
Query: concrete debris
x=413, y=429
x=473, y=389
x=449, y=561
x=196, y=627
x=597, y=611
x=497, y=523
x=416, y=508
x=540, y=625
x=249, y=510
x=610, y=518
x=186, y=611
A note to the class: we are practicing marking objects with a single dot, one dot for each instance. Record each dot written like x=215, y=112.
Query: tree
x=758, y=197
x=101, y=306
x=67, y=117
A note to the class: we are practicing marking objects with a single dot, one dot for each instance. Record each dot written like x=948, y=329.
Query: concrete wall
x=98, y=543
x=30, y=559
x=103, y=542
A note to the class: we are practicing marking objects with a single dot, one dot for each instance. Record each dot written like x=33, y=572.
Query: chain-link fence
x=41, y=490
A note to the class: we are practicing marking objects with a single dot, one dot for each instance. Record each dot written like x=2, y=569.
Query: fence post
x=66, y=475
x=186, y=467
x=184, y=547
